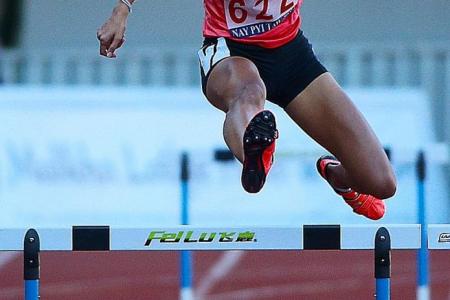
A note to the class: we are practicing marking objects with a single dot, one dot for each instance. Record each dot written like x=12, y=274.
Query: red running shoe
x=366, y=205
x=259, y=147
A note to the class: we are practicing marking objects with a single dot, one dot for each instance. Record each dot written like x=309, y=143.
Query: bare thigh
x=327, y=114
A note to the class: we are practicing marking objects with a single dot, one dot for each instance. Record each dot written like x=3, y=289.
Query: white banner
x=111, y=156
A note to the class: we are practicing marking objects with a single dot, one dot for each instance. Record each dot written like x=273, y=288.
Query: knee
x=250, y=94
x=385, y=186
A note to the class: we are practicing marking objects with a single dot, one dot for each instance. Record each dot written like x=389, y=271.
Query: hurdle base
x=186, y=294
x=423, y=293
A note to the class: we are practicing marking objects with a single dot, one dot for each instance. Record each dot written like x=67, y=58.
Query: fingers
x=104, y=40
x=103, y=49
x=110, y=52
x=116, y=43
x=108, y=46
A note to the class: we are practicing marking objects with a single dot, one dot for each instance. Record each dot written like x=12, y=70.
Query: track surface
x=265, y=275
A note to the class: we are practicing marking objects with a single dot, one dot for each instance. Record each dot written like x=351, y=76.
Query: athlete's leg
x=326, y=113
x=235, y=87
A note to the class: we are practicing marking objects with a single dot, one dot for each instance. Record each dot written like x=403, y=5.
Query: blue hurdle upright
x=423, y=291
x=185, y=256
x=383, y=264
x=31, y=267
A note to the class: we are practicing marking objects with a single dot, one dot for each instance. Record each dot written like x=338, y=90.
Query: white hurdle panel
x=186, y=237
x=439, y=236
x=381, y=238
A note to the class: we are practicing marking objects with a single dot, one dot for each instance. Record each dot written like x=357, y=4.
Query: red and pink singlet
x=267, y=23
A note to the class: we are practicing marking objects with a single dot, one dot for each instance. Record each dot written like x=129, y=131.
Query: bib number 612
x=239, y=13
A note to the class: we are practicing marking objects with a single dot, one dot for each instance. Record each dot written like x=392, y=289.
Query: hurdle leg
x=423, y=291
x=186, y=292
x=383, y=264
x=31, y=271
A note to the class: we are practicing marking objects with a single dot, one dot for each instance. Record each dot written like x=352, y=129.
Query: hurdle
x=379, y=238
x=184, y=238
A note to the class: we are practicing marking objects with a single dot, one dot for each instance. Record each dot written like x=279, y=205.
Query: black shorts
x=286, y=71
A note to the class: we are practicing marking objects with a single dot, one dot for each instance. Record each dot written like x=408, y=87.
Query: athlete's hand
x=112, y=34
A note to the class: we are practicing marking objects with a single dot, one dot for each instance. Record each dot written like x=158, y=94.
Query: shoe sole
x=260, y=134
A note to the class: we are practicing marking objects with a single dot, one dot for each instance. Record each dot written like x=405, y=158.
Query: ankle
x=335, y=176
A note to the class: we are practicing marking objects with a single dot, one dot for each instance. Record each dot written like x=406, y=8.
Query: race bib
x=247, y=18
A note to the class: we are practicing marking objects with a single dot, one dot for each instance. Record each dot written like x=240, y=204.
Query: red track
x=254, y=275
